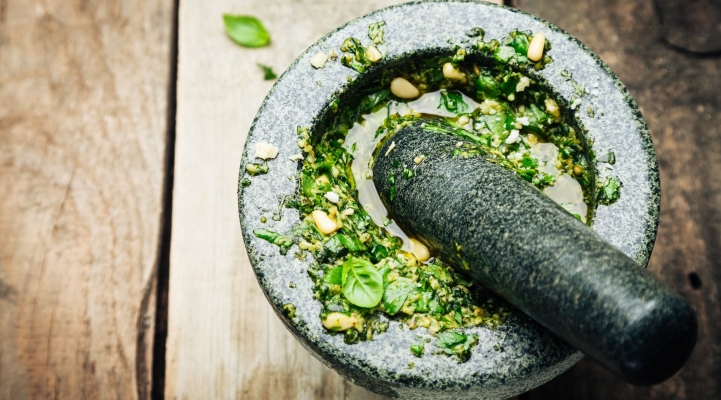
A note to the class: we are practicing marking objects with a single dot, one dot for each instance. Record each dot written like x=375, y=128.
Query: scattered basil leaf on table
x=362, y=283
x=245, y=30
x=268, y=71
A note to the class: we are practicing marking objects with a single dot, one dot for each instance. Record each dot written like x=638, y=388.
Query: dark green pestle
x=519, y=243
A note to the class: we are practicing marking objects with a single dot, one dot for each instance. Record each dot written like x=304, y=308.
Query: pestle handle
x=520, y=244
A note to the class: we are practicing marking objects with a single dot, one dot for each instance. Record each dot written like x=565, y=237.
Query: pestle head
x=511, y=238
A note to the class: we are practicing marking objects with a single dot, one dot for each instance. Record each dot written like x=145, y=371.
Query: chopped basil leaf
x=456, y=344
x=284, y=242
x=453, y=102
x=610, y=191
x=335, y=276
x=395, y=295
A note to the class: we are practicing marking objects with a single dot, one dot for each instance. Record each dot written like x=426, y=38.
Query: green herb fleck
x=417, y=350
x=609, y=158
x=245, y=182
x=408, y=173
x=456, y=344
x=246, y=31
x=284, y=242
x=610, y=191
x=395, y=295
x=256, y=169
x=355, y=55
x=453, y=102
x=392, y=181
x=590, y=112
x=476, y=32
x=269, y=75
x=503, y=54
x=376, y=32
x=289, y=310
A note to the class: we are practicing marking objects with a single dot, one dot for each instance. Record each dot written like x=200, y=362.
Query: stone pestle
x=514, y=240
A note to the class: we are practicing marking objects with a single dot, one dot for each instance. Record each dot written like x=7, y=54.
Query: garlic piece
x=514, y=137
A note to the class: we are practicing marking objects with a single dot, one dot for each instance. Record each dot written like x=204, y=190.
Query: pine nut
x=404, y=89
x=449, y=72
x=420, y=251
x=535, y=49
x=323, y=222
x=336, y=321
x=373, y=54
x=552, y=107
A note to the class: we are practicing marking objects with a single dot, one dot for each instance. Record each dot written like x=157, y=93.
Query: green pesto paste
x=366, y=271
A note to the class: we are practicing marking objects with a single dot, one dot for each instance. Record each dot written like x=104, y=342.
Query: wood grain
x=679, y=97
x=83, y=118
x=224, y=341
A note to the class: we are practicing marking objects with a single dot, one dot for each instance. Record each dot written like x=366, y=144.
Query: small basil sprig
x=246, y=31
x=362, y=283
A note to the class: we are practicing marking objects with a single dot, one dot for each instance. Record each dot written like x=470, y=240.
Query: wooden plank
x=83, y=127
x=679, y=97
x=224, y=341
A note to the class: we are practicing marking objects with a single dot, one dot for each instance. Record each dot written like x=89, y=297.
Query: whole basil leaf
x=246, y=31
x=362, y=283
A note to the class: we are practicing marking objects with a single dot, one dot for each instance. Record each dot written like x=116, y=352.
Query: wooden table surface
x=122, y=268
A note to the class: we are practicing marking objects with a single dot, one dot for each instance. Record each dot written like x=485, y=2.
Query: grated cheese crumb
x=265, y=150
x=318, y=60
x=523, y=84
x=332, y=197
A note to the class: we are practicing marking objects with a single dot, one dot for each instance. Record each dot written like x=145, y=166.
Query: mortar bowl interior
x=516, y=356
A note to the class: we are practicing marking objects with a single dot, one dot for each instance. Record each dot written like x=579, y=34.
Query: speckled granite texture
x=531, y=354
x=523, y=246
